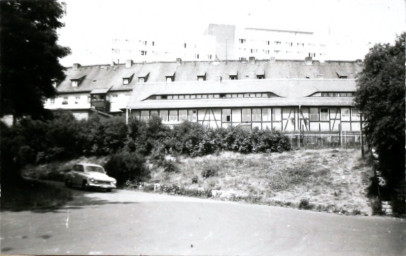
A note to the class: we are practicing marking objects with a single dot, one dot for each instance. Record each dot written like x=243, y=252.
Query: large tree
x=381, y=98
x=29, y=55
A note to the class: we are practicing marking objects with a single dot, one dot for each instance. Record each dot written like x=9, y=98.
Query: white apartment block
x=201, y=48
x=278, y=44
x=222, y=42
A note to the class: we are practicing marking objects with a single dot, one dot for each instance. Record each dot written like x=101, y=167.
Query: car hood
x=100, y=176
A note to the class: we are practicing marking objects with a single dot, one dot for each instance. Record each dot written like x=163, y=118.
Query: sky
x=350, y=27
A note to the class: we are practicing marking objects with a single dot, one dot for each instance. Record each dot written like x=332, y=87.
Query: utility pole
x=226, y=49
x=362, y=135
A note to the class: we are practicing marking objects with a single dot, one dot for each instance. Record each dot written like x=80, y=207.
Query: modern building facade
x=222, y=42
x=150, y=49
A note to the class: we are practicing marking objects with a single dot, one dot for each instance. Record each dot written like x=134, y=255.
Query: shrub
x=209, y=170
x=304, y=204
x=195, y=179
x=104, y=136
x=170, y=166
x=126, y=166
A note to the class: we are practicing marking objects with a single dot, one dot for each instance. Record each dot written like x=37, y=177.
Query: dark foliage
x=29, y=55
x=103, y=136
x=126, y=166
x=381, y=98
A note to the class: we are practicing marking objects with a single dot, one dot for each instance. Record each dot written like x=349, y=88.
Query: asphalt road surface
x=128, y=222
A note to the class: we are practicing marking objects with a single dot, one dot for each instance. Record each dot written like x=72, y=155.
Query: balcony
x=100, y=105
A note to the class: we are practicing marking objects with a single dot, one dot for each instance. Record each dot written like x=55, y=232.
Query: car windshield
x=95, y=169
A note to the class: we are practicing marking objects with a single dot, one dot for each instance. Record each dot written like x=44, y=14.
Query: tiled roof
x=106, y=76
x=291, y=92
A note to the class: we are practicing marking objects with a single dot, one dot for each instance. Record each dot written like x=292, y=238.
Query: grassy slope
x=333, y=180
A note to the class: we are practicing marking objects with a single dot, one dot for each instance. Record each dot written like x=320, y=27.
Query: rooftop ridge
x=213, y=61
x=281, y=30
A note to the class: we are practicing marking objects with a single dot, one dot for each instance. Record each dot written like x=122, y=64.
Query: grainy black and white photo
x=202, y=127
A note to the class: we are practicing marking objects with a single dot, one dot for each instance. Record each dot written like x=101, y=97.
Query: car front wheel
x=84, y=184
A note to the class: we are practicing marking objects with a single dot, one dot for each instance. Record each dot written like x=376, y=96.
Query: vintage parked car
x=87, y=175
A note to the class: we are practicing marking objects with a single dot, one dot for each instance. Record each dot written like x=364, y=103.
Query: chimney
x=308, y=61
x=128, y=63
x=76, y=66
x=178, y=60
x=251, y=59
x=112, y=63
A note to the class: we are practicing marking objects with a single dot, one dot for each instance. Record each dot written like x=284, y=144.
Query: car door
x=77, y=171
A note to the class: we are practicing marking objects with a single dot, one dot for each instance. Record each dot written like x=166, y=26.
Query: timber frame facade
x=292, y=119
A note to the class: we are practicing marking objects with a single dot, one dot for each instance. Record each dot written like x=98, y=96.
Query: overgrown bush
x=304, y=204
x=103, y=136
x=209, y=170
x=127, y=166
x=169, y=165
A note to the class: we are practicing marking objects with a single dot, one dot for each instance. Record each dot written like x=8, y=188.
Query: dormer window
x=233, y=75
x=127, y=78
x=341, y=74
x=143, y=77
x=260, y=74
x=75, y=81
x=170, y=77
x=201, y=76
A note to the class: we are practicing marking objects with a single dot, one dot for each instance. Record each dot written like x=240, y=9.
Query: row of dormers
x=119, y=76
x=170, y=77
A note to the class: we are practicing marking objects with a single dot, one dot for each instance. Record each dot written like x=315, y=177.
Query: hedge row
x=63, y=137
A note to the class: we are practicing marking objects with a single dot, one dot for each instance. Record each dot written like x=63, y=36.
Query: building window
x=192, y=115
x=163, y=114
x=355, y=116
x=324, y=114
x=183, y=115
x=184, y=45
x=242, y=41
x=52, y=100
x=246, y=115
x=277, y=116
x=266, y=114
x=77, y=98
x=256, y=114
x=173, y=115
x=226, y=116
x=201, y=78
x=65, y=100
x=143, y=53
x=262, y=76
x=314, y=114
x=126, y=81
x=74, y=83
